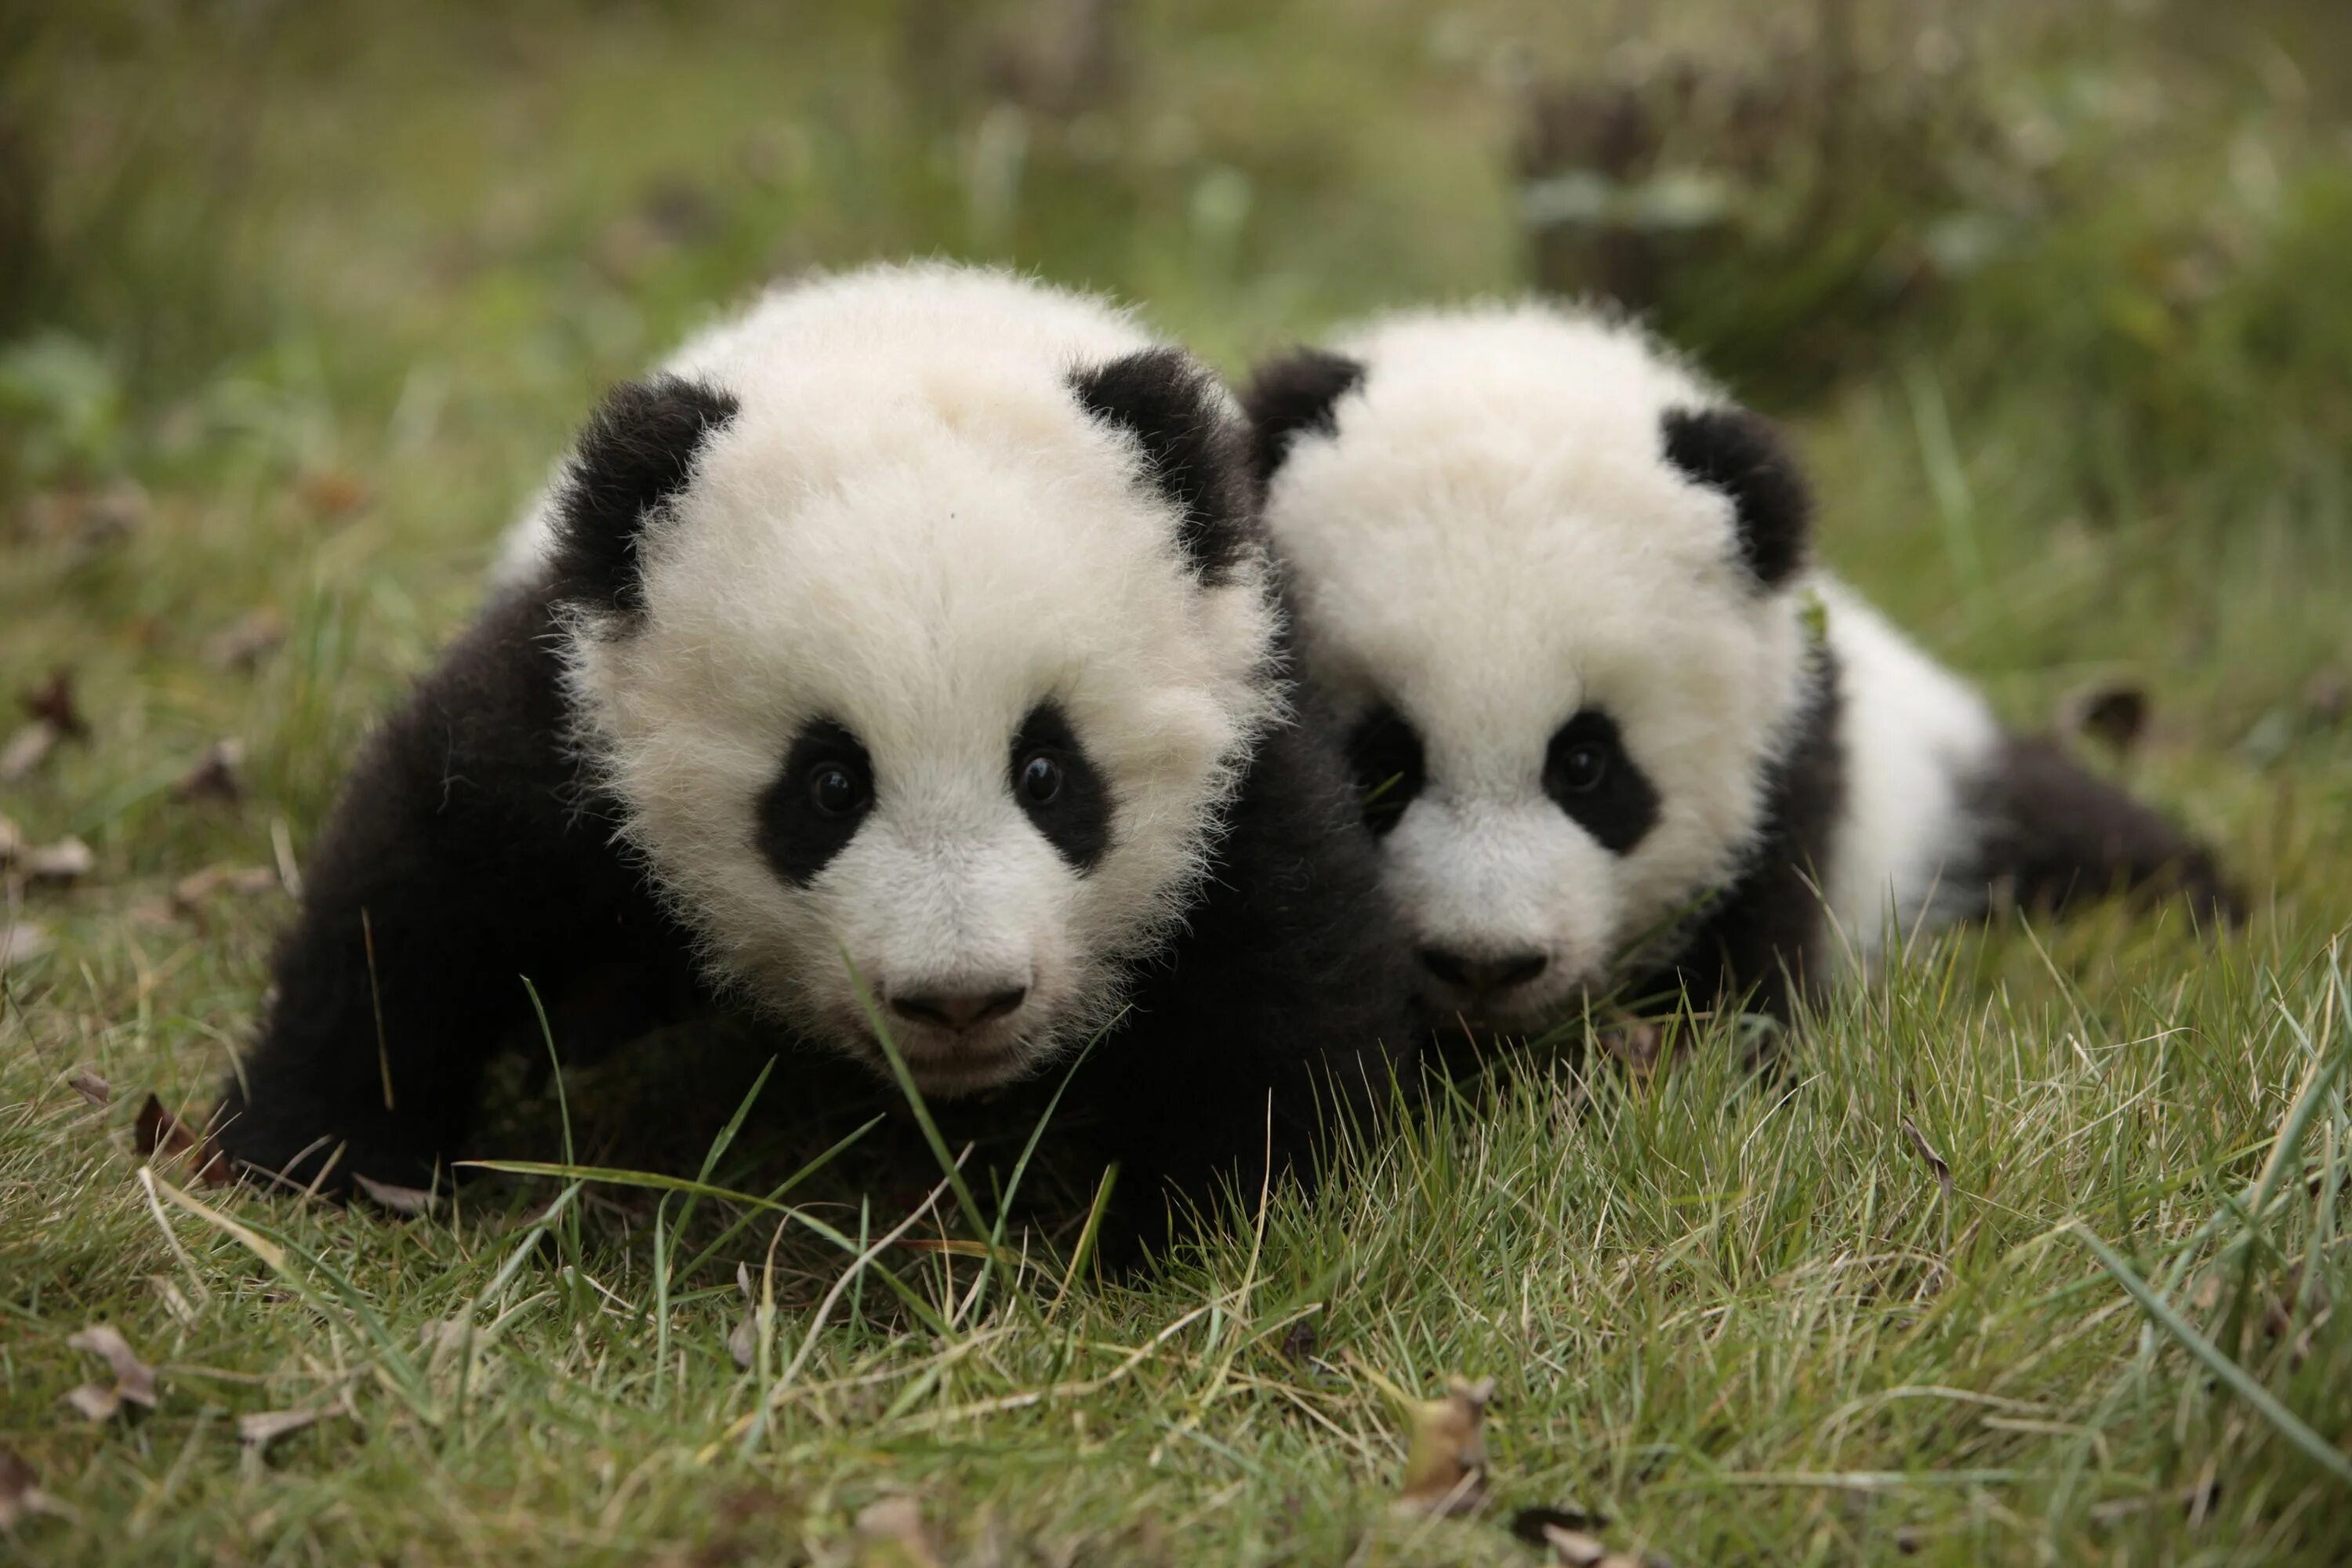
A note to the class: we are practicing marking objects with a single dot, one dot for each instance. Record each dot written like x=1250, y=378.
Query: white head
x=917, y=623
x=1551, y=578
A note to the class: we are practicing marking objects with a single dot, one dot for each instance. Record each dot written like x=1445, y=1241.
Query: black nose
x=1483, y=976
x=957, y=1009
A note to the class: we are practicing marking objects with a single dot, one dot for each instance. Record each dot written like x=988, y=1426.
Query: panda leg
x=2057, y=833
x=451, y=870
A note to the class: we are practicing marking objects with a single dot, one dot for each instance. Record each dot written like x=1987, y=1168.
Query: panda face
x=1567, y=673
x=922, y=702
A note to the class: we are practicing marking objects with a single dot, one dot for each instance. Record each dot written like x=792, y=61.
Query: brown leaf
x=53, y=703
x=95, y=1402
x=21, y=941
x=399, y=1200
x=134, y=1380
x=1935, y=1161
x=891, y=1534
x=63, y=861
x=2113, y=714
x=84, y=1080
x=332, y=493
x=21, y=1495
x=158, y=1131
x=193, y=891
x=1529, y=1523
x=2327, y=698
x=11, y=841
x=1641, y=1047
x=1445, y=1466
x=260, y=1429
x=1300, y=1344
x=246, y=641
x=26, y=750
x=218, y=774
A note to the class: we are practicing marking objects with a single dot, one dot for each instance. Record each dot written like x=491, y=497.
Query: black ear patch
x=1174, y=407
x=636, y=454
x=1739, y=453
x=1294, y=395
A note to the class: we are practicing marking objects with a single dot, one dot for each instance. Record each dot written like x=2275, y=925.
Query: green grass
x=331, y=285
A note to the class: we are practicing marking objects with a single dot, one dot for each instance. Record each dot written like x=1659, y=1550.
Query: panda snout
x=1485, y=976
x=959, y=1009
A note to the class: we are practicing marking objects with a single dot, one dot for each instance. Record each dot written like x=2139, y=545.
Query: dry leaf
x=743, y=1339
x=263, y=1428
x=84, y=1080
x=95, y=1402
x=1446, y=1468
x=1529, y=1523
x=63, y=861
x=1300, y=1344
x=11, y=841
x=1935, y=1161
x=890, y=1535
x=197, y=889
x=158, y=1131
x=218, y=774
x=21, y=1495
x=245, y=642
x=134, y=1380
x=332, y=493
x=26, y=750
x=53, y=705
x=1641, y=1047
x=399, y=1200
x=21, y=941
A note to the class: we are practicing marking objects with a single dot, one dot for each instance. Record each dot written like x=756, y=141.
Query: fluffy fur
x=908, y=637
x=1561, y=584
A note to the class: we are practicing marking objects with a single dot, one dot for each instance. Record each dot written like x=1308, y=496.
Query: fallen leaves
x=743, y=1339
x=159, y=1133
x=398, y=1199
x=84, y=1080
x=217, y=774
x=1445, y=1465
x=247, y=641
x=260, y=1429
x=27, y=749
x=21, y=1495
x=891, y=1534
x=21, y=941
x=134, y=1380
x=51, y=715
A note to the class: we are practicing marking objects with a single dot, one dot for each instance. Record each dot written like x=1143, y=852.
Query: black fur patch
x=1075, y=819
x=1589, y=775
x=1761, y=943
x=1739, y=454
x=1174, y=408
x=2057, y=833
x=797, y=834
x=1294, y=395
x=1385, y=756
x=637, y=453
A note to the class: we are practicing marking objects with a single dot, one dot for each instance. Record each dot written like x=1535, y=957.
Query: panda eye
x=1580, y=769
x=1041, y=779
x=1386, y=757
x=835, y=791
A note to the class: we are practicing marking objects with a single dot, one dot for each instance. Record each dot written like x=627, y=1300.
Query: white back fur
x=912, y=529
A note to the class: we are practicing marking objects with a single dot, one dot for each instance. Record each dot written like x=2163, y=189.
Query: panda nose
x=1483, y=976
x=958, y=1010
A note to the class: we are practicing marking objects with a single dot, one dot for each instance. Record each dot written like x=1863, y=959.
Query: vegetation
x=2033, y=1252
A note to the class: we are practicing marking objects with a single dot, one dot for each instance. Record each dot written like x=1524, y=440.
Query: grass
x=2031, y=1256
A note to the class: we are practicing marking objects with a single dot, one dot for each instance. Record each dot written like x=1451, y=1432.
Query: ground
x=2027, y=1252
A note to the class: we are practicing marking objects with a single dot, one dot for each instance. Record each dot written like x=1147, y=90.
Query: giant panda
x=902, y=655
x=1613, y=728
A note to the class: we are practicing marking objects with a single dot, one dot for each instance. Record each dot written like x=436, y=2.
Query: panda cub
x=910, y=637
x=1611, y=725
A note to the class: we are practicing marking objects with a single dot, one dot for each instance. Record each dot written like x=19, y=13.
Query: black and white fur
x=910, y=637
x=1613, y=726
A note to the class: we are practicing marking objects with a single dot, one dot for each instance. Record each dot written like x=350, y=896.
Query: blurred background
x=298, y=302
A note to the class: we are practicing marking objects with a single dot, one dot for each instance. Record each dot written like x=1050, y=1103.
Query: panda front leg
x=455, y=865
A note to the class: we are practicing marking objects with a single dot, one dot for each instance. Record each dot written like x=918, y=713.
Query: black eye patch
x=1057, y=787
x=1385, y=756
x=817, y=802
x=1589, y=775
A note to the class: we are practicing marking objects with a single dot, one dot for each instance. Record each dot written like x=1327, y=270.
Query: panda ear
x=1191, y=443
x=637, y=452
x=1739, y=454
x=1294, y=395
